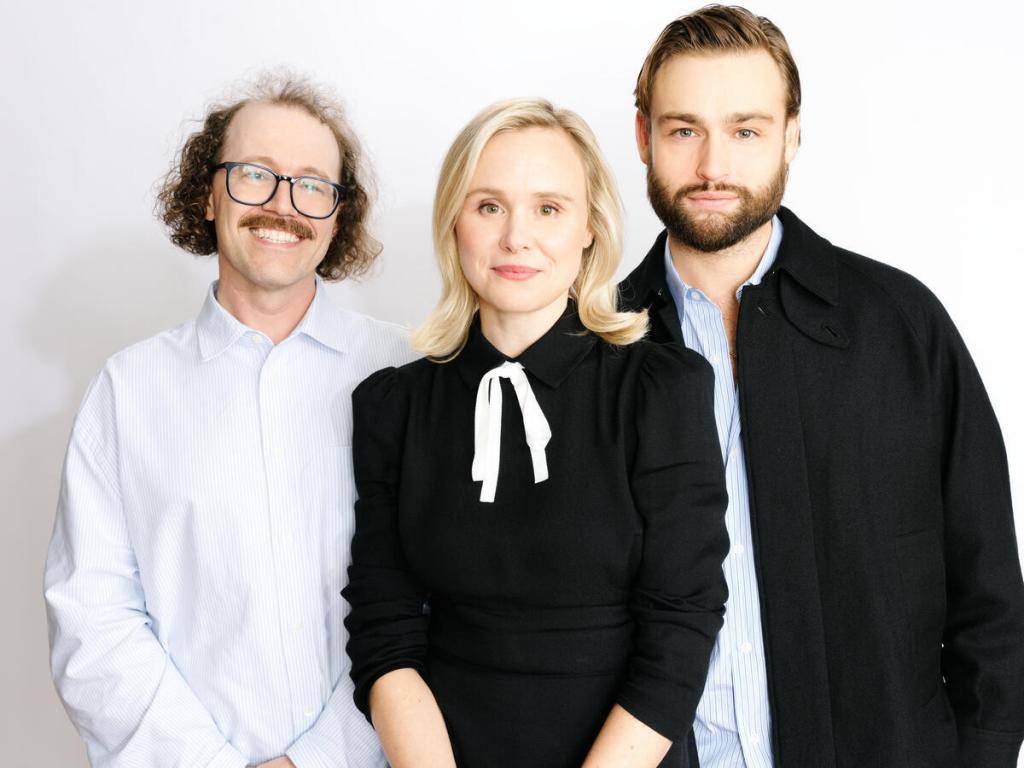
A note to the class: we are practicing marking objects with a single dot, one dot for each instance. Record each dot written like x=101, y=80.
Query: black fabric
x=529, y=617
x=891, y=592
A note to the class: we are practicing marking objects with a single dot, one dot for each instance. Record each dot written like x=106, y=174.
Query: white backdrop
x=912, y=153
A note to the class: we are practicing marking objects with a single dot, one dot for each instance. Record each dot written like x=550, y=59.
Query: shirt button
x=755, y=739
x=297, y=626
x=746, y=647
x=255, y=338
x=714, y=359
x=739, y=549
x=694, y=295
x=308, y=713
x=286, y=539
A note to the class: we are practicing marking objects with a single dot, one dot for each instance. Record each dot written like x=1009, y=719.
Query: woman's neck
x=512, y=333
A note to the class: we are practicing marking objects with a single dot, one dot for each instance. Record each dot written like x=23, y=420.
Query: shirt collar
x=680, y=289
x=218, y=329
x=550, y=359
x=323, y=322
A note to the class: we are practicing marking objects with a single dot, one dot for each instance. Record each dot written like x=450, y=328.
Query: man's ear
x=792, y=137
x=643, y=138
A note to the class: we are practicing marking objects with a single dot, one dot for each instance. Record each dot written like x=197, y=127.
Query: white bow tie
x=487, y=440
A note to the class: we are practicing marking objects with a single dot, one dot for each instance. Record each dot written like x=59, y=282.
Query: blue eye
x=684, y=132
x=253, y=174
x=312, y=186
x=745, y=133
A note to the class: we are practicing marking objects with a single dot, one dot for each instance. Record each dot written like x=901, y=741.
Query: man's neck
x=718, y=275
x=274, y=313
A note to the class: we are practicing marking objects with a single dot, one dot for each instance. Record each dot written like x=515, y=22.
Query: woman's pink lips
x=515, y=272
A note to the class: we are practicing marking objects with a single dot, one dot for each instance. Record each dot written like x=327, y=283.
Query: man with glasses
x=202, y=537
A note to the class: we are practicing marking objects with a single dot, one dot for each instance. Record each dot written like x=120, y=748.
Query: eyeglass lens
x=253, y=185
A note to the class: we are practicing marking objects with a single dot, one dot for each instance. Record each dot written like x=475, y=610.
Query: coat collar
x=550, y=359
x=803, y=254
x=808, y=257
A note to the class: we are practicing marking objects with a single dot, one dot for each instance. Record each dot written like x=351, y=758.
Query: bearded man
x=876, y=610
x=193, y=582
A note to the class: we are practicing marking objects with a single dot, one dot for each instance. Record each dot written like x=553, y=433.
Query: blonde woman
x=536, y=569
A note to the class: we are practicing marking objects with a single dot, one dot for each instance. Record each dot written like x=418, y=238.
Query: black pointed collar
x=550, y=359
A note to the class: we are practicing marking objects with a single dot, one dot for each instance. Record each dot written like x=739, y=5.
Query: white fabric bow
x=487, y=440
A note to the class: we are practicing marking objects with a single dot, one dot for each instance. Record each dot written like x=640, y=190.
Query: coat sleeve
x=678, y=486
x=983, y=639
x=388, y=620
x=120, y=688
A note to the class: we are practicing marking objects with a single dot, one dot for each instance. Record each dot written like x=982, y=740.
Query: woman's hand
x=409, y=722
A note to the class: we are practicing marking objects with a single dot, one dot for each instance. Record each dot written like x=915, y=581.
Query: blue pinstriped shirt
x=201, y=544
x=733, y=722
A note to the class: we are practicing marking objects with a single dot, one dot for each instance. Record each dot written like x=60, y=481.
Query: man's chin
x=271, y=277
x=708, y=239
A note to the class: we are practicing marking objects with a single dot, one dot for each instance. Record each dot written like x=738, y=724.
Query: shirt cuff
x=306, y=755
x=228, y=757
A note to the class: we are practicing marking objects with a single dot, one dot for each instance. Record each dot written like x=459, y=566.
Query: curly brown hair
x=181, y=201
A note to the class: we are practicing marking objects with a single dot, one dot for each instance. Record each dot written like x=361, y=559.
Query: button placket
x=275, y=432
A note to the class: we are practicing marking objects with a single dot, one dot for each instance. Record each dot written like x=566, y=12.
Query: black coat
x=891, y=591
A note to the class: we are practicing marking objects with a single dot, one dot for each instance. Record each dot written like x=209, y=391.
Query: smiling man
x=876, y=610
x=202, y=536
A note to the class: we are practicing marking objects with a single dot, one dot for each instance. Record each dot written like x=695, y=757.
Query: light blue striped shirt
x=202, y=541
x=733, y=722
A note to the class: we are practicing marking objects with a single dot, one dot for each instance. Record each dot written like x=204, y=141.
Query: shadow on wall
x=101, y=300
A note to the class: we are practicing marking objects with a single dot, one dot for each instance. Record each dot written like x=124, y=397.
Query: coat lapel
x=811, y=298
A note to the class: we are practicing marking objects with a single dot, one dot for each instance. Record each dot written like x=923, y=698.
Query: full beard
x=712, y=232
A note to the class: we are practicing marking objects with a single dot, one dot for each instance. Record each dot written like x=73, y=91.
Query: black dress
x=529, y=617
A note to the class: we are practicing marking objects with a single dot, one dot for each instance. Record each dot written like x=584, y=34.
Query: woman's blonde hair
x=444, y=333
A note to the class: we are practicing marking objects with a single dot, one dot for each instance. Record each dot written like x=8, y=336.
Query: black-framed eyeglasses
x=252, y=184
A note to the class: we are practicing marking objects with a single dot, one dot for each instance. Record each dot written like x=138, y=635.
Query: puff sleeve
x=678, y=485
x=388, y=620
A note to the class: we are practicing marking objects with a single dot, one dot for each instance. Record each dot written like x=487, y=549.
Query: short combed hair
x=716, y=29
x=182, y=199
x=445, y=331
